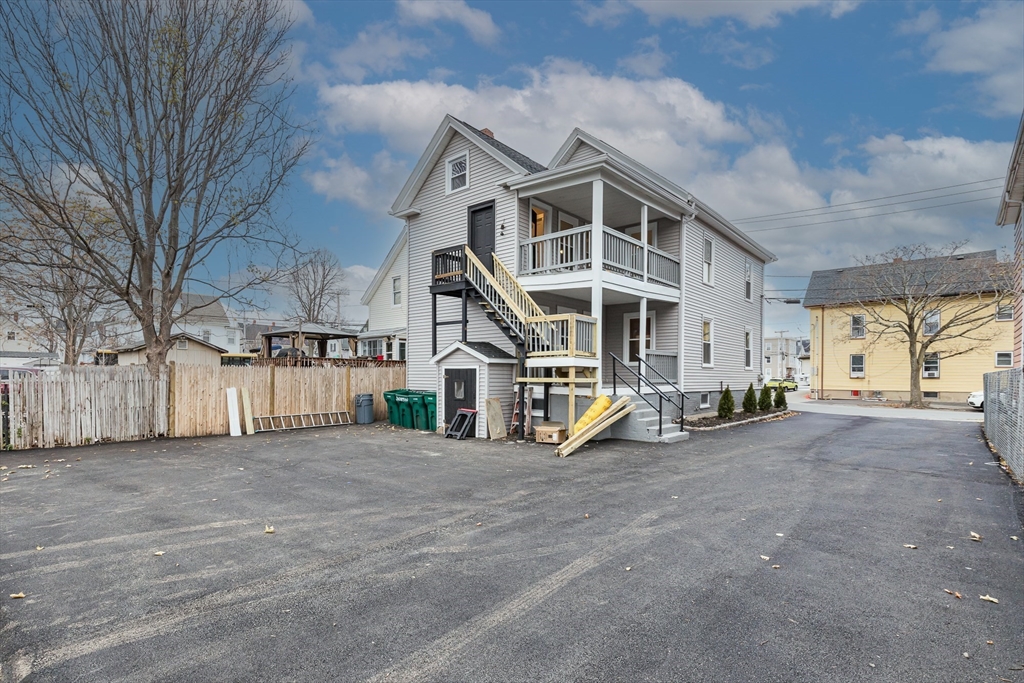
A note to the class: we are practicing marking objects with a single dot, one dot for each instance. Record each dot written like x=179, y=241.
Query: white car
x=977, y=400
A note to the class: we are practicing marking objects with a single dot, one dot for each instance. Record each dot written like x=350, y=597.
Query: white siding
x=726, y=304
x=460, y=359
x=443, y=222
x=499, y=385
x=583, y=152
x=383, y=314
x=666, y=331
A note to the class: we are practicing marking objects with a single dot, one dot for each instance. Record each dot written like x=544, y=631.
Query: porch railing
x=449, y=265
x=662, y=267
x=565, y=334
x=648, y=379
x=562, y=251
x=623, y=254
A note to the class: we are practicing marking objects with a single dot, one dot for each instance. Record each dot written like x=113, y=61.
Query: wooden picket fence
x=90, y=404
x=83, y=405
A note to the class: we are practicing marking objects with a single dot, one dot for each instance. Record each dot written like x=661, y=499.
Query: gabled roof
x=174, y=337
x=1013, y=192
x=203, y=308
x=941, y=275
x=485, y=352
x=702, y=210
x=382, y=272
x=515, y=162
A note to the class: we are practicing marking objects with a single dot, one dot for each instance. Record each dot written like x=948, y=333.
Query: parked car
x=977, y=400
x=786, y=384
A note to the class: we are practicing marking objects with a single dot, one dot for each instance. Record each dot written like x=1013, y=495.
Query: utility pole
x=781, y=363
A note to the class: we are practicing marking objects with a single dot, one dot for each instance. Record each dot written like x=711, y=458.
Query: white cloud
x=648, y=60
x=378, y=49
x=736, y=52
x=990, y=46
x=477, y=22
x=371, y=189
x=608, y=14
x=925, y=22
x=758, y=14
x=299, y=13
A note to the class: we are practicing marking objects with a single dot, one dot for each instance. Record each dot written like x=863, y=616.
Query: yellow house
x=857, y=354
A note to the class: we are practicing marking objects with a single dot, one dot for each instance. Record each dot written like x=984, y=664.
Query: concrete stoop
x=642, y=425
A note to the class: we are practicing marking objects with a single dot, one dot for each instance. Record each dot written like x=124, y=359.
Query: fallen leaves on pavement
x=976, y=537
x=988, y=598
x=16, y=596
x=908, y=545
x=268, y=530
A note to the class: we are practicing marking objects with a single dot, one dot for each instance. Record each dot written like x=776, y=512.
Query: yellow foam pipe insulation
x=600, y=404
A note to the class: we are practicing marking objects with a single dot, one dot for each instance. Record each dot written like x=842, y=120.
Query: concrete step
x=674, y=437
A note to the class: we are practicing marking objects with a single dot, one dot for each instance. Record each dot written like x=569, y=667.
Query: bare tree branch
x=314, y=285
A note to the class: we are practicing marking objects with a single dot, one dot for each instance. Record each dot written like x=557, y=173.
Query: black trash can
x=364, y=409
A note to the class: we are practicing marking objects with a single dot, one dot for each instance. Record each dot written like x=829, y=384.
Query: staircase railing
x=508, y=307
x=642, y=382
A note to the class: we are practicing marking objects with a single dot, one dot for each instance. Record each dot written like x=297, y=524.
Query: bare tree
x=314, y=285
x=929, y=301
x=171, y=115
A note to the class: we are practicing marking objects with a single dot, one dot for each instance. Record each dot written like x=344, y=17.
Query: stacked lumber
x=606, y=419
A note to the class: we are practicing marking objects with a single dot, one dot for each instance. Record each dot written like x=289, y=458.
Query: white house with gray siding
x=386, y=298
x=664, y=258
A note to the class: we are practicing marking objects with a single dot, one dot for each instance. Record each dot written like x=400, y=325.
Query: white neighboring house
x=561, y=267
x=19, y=349
x=209, y=321
x=782, y=357
x=186, y=349
x=385, y=334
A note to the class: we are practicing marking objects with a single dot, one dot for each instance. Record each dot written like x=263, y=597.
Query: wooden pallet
x=276, y=423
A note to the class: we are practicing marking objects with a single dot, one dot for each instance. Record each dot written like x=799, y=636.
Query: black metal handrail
x=641, y=380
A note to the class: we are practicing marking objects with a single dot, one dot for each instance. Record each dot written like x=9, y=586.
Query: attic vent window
x=457, y=173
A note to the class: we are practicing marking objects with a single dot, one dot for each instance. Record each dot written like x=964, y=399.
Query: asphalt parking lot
x=401, y=556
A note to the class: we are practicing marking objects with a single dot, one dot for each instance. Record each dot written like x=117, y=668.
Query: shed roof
x=485, y=352
x=138, y=346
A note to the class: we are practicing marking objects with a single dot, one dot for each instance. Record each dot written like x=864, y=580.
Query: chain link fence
x=1004, y=417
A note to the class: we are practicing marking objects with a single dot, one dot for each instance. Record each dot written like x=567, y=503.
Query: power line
x=878, y=206
x=863, y=201
x=875, y=215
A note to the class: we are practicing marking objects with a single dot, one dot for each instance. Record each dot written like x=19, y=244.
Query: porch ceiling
x=620, y=209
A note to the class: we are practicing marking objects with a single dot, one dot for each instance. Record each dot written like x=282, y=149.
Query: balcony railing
x=566, y=334
x=570, y=250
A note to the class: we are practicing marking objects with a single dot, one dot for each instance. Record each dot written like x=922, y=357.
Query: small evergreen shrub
x=726, y=405
x=764, y=403
x=750, y=400
x=780, y=398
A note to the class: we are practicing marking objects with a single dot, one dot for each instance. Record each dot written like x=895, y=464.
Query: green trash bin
x=419, y=410
x=392, y=403
x=405, y=418
x=430, y=399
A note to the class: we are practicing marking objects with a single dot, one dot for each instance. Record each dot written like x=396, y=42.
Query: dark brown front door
x=481, y=233
x=459, y=391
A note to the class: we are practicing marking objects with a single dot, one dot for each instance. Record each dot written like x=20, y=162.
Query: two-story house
x=206, y=318
x=385, y=333
x=853, y=357
x=592, y=275
x=782, y=357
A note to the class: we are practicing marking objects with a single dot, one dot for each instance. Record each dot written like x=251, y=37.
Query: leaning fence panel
x=1004, y=416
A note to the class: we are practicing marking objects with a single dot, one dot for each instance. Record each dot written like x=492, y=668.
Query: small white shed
x=186, y=349
x=468, y=373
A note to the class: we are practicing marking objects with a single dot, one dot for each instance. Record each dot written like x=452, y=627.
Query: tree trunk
x=916, y=398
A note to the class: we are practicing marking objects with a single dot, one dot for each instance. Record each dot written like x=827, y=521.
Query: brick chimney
x=487, y=132
x=898, y=259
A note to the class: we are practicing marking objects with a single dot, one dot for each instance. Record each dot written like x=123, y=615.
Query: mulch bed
x=738, y=416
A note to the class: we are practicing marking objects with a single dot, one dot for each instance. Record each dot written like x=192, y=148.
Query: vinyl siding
x=442, y=222
x=461, y=359
x=725, y=303
x=583, y=152
x=666, y=331
x=383, y=314
x=499, y=385
x=887, y=365
x=1018, y=304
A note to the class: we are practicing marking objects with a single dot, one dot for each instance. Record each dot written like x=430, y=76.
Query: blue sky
x=756, y=107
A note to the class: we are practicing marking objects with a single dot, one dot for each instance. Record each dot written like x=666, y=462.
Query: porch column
x=643, y=235
x=643, y=334
x=597, y=271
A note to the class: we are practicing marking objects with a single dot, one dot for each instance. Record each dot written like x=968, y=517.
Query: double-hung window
x=748, y=285
x=856, y=365
x=457, y=173
x=709, y=253
x=858, y=327
x=931, y=323
x=396, y=290
x=748, y=351
x=930, y=369
x=707, y=337
x=1004, y=312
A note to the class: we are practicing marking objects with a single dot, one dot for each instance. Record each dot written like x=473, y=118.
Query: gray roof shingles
x=519, y=158
x=489, y=350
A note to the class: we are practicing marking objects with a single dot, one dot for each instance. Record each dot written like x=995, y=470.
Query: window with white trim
x=1004, y=359
x=748, y=350
x=456, y=173
x=931, y=323
x=182, y=344
x=371, y=348
x=396, y=290
x=856, y=365
x=705, y=399
x=748, y=272
x=206, y=336
x=707, y=357
x=930, y=394
x=709, y=254
x=12, y=335
x=858, y=326
x=1004, y=312
x=930, y=369
x=231, y=339
x=401, y=349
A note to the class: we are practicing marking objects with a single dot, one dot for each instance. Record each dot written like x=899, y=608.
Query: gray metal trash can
x=364, y=409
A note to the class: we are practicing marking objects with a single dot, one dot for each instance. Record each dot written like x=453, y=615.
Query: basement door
x=459, y=392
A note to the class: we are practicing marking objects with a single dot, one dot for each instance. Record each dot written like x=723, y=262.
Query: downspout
x=821, y=357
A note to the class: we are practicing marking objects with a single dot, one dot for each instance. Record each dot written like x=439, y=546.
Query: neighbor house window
x=748, y=352
x=401, y=350
x=709, y=249
x=705, y=399
x=707, y=335
x=856, y=365
x=857, y=326
x=206, y=336
x=12, y=336
x=749, y=284
x=931, y=394
x=457, y=173
x=371, y=348
x=1004, y=312
x=931, y=323
x=930, y=370
x=1004, y=359
x=231, y=340
x=182, y=344
x=396, y=290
